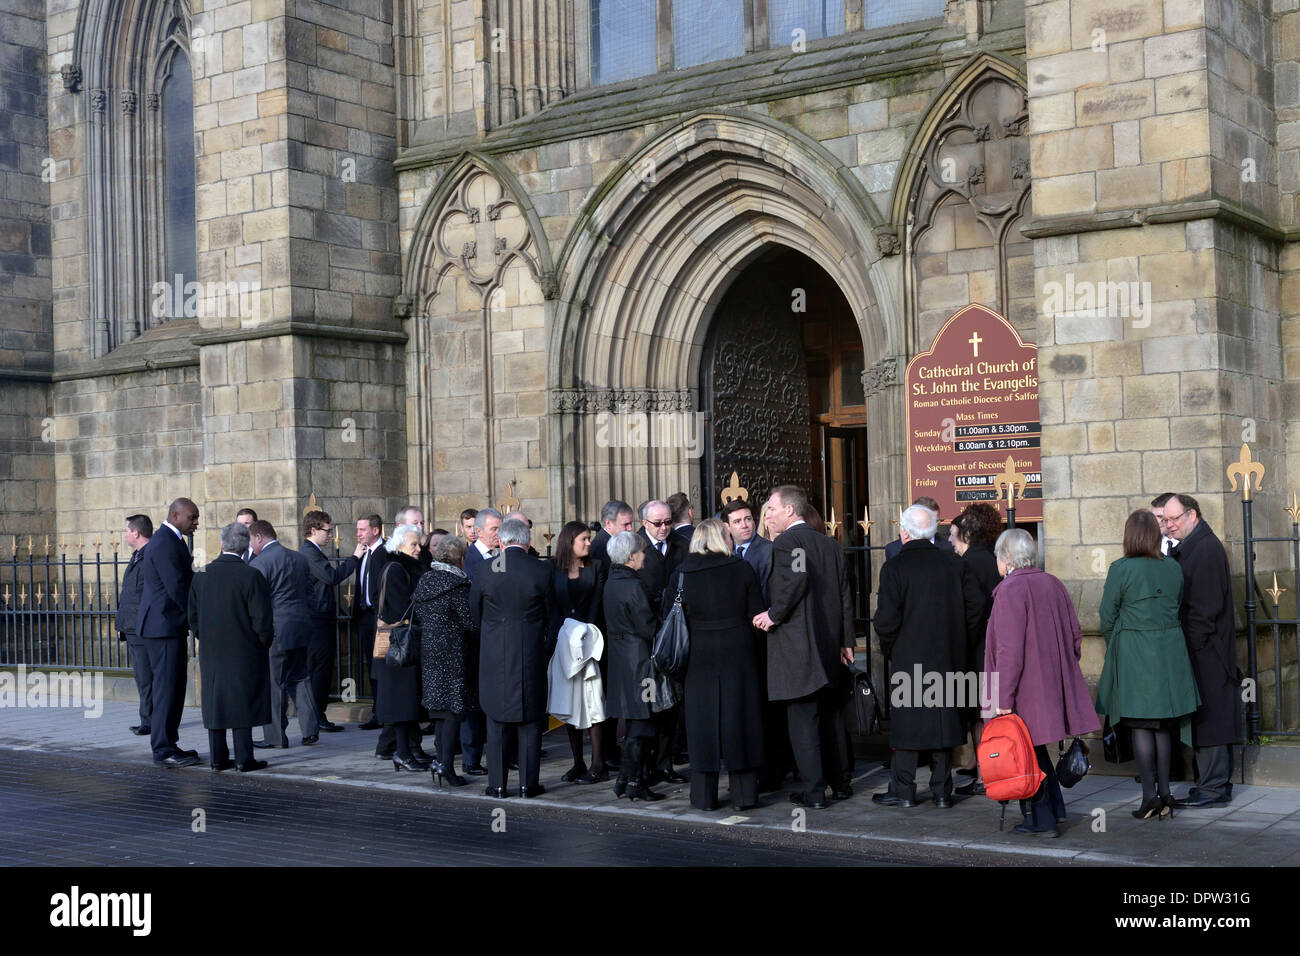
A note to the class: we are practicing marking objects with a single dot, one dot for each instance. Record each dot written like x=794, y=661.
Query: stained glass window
x=178, y=188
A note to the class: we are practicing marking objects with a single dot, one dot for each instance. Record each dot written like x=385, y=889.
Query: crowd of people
x=506, y=637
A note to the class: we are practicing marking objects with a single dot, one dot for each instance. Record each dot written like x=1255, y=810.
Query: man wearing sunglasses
x=1207, y=620
x=664, y=550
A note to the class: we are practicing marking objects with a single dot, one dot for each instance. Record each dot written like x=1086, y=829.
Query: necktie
x=365, y=575
x=740, y=552
x=663, y=548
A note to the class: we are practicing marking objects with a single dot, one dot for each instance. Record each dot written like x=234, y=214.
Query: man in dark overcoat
x=139, y=529
x=809, y=625
x=230, y=615
x=927, y=608
x=322, y=601
x=512, y=602
x=663, y=549
x=1208, y=625
x=290, y=580
x=167, y=568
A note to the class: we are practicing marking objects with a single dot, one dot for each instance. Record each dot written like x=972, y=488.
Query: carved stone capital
x=128, y=99
x=887, y=241
x=153, y=101
x=98, y=100
x=550, y=286
x=403, y=306
x=884, y=374
x=589, y=401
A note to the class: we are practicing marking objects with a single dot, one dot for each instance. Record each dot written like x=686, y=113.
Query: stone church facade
x=459, y=251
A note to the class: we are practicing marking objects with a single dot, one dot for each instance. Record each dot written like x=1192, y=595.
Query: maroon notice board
x=972, y=403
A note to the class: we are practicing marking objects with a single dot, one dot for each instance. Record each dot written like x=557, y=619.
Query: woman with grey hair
x=1031, y=660
x=630, y=627
x=398, y=707
x=448, y=650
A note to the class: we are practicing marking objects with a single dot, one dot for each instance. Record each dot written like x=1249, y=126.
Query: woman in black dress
x=973, y=534
x=631, y=625
x=448, y=650
x=399, y=703
x=724, y=701
x=579, y=592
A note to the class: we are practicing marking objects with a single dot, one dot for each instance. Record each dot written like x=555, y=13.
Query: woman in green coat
x=1147, y=680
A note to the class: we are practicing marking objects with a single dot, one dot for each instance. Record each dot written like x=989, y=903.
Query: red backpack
x=1007, y=762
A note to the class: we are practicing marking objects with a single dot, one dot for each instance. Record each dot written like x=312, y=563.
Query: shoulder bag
x=394, y=643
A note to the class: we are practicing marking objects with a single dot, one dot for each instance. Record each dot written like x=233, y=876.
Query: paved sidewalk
x=1261, y=827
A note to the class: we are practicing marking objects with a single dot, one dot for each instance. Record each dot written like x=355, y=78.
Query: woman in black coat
x=398, y=706
x=448, y=650
x=724, y=700
x=579, y=593
x=630, y=628
x=973, y=534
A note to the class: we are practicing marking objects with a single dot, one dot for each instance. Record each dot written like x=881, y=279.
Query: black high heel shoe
x=441, y=773
x=410, y=763
x=1168, y=809
x=574, y=772
x=1152, y=808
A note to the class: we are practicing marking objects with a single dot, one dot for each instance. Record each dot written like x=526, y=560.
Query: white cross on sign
x=975, y=340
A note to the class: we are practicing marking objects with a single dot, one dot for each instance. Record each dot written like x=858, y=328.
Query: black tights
x=1153, y=751
x=575, y=745
x=448, y=737
x=403, y=734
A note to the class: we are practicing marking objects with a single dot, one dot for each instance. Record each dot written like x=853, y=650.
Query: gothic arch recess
x=963, y=191
x=651, y=256
x=124, y=51
x=478, y=265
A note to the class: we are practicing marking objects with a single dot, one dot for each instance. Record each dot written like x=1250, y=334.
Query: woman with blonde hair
x=724, y=704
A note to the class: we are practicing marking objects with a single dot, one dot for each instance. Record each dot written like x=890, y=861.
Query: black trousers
x=167, y=657
x=817, y=738
x=320, y=662
x=529, y=736
x=473, y=734
x=289, y=678
x=665, y=731
x=143, y=674
x=902, y=773
x=366, y=633
x=1214, y=770
x=219, y=753
x=743, y=787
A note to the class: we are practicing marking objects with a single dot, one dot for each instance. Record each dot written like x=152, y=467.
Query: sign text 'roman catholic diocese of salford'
x=972, y=403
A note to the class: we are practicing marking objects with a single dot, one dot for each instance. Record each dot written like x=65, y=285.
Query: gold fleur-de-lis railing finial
x=734, y=491
x=1275, y=592
x=833, y=526
x=6, y=595
x=311, y=505
x=54, y=595
x=1010, y=483
x=866, y=522
x=508, y=502
x=1244, y=467
x=1294, y=510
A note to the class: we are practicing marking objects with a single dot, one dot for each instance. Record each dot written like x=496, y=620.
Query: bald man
x=167, y=568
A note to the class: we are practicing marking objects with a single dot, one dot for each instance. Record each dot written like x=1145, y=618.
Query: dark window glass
x=707, y=30
x=622, y=40
x=816, y=18
x=851, y=390
x=178, y=189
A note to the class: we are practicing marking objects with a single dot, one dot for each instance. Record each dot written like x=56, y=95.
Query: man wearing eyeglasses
x=1207, y=620
x=663, y=549
x=1158, y=509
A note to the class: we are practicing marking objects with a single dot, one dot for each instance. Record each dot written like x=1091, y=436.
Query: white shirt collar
x=792, y=524
x=175, y=530
x=483, y=549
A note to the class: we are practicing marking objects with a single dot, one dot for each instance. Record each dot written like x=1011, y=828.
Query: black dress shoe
x=593, y=776
x=329, y=727
x=943, y=803
x=308, y=741
x=890, y=800
x=474, y=771
x=411, y=764
x=187, y=753
x=842, y=793
x=251, y=766
x=1024, y=829
x=386, y=755
x=801, y=800
x=534, y=791
x=672, y=776
x=574, y=772
x=177, y=760
x=498, y=792
x=223, y=765
x=419, y=754
x=1201, y=801
x=370, y=724
x=974, y=788
x=262, y=745
x=140, y=731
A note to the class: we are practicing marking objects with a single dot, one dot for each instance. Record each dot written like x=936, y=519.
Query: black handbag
x=1073, y=765
x=866, y=705
x=1116, y=743
x=672, y=646
x=667, y=692
x=404, y=643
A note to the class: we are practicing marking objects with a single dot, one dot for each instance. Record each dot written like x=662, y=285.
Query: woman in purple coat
x=1031, y=657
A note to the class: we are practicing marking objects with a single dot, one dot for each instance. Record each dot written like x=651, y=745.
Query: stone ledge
x=1041, y=227
x=302, y=328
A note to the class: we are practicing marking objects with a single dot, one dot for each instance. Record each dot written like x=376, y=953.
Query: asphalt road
x=61, y=812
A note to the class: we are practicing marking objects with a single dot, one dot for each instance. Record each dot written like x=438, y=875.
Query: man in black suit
x=246, y=516
x=370, y=535
x=663, y=549
x=290, y=580
x=615, y=516
x=940, y=539
x=230, y=615
x=139, y=529
x=167, y=568
x=749, y=544
x=487, y=526
x=809, y=627
x=512, y=603
x=683, y=515
x=323, y=604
